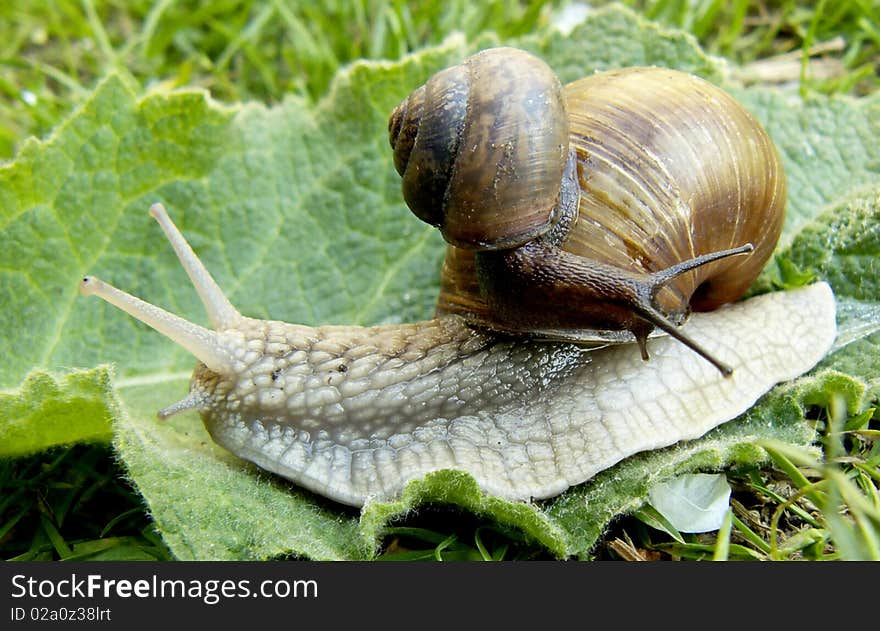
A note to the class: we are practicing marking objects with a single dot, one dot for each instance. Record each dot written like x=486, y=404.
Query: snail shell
x=659, y=167
x=671, y=167
x=481, y=148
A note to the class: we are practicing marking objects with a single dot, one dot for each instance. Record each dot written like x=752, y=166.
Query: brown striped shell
x=669, y=167
x=481, y=148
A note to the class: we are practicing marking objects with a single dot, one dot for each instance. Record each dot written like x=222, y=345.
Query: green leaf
x=297, y=212
x=828, y=147
x=460, y=489
x=49, y=410
x=841, y=245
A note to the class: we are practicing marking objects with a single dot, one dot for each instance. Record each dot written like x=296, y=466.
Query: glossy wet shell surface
x=481, y=148
x=672, y=167
x=669, y=167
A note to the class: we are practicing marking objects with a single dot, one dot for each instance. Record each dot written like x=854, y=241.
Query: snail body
x=354, y=413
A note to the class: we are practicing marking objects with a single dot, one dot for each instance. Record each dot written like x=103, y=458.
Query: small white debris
x=695, y=502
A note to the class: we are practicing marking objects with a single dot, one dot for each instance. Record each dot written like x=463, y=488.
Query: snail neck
x=540, y=286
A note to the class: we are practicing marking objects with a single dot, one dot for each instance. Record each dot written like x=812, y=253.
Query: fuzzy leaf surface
x=297, y=212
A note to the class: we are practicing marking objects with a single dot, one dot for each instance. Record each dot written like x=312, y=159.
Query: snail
x=526, y=405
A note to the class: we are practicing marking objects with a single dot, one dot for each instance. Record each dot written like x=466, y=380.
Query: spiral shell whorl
x=425, y=132
x=481, y=148
x=403, y=126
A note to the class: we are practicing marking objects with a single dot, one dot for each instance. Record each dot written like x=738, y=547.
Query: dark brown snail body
x=614, y=204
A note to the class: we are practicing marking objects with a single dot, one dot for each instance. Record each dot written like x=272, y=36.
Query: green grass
x=52, y=53
x=749, y=32
x=75, y=504
x=798, y=508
